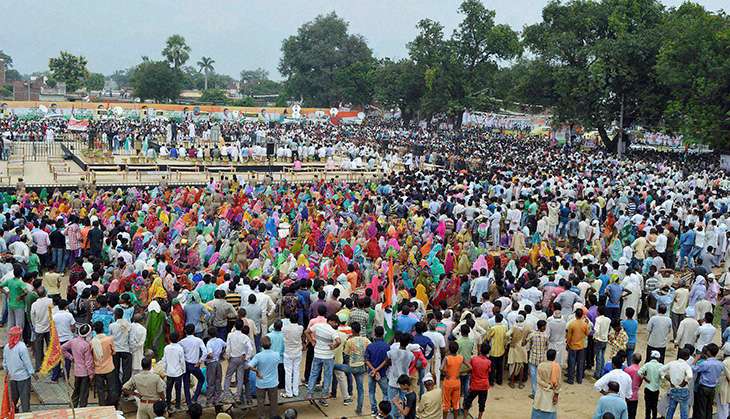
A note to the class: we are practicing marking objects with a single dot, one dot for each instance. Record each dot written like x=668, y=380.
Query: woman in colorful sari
x=177, y=315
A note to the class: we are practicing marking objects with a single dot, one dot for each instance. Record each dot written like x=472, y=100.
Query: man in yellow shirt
x=575, y=337
x=497, y=336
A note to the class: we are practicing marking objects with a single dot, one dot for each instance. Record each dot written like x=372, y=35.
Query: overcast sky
x=237, y=34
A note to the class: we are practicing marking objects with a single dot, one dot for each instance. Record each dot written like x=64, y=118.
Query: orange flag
x=8, y=409
x=53, y=353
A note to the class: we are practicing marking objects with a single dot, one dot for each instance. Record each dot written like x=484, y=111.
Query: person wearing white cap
x=651, y=373
x=429, y=407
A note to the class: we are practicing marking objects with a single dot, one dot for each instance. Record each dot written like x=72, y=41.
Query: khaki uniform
x=149, y=385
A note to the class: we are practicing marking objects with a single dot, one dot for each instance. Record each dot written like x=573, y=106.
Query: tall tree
x=694, y=65
x=69, y=69
x=399, y=84
x=206, y=66
x=95, y=81
x=315, y=59
x=600, y=57
x=177, y=51
x=7, y=59
x=156, y=80
x=11, y=74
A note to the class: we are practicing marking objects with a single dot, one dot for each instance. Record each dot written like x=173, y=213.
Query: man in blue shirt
x=405, y=321
x=707, y=370
x=277, y=345
x=614, y=292
x=19, y=368
x=612, y=403
x=376, y=355
x=427, y=347
x=686, y=243
x=631, y=326
x=266, y=365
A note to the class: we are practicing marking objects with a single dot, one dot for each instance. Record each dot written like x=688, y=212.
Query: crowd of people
x=515, y=262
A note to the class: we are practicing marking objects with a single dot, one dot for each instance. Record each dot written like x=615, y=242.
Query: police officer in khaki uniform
x=148, y=387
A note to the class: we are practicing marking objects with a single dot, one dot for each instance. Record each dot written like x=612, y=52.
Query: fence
x=42, y=150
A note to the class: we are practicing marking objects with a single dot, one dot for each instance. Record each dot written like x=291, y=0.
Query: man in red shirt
x=479, y=384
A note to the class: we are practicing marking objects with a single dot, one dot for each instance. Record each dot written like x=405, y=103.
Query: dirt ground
x=576, y=401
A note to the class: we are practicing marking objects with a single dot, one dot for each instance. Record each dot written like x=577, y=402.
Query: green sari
x=155, y=333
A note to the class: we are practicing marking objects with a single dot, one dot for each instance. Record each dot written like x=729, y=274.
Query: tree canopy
x=176, y=51
x=69, y=69
x=320, y=56
x=156, y=80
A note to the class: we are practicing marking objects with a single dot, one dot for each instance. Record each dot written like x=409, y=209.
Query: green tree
x=217, y=96
x=176, y=51
x=458, y=72
x=601, y=58
x=257, y=82
x=312, y=58
x=206, y=66
x=694, y=65
x=12, y=75
x=399, y=84
x=479, y=43
x=7, y=59
x=122, y=77
x=69, y=69
x=156, y=80
x=246, y=101
x=95, y=81
x=527, y=83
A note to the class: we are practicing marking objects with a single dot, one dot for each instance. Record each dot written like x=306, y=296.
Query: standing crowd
x=527, y=265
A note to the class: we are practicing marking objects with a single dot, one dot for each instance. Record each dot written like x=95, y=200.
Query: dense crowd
x=514, y=262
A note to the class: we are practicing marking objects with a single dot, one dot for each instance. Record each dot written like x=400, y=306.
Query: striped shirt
x=234, y=298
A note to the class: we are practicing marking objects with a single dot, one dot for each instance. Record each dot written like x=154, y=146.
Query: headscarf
x=157, y=290
x=14, y=335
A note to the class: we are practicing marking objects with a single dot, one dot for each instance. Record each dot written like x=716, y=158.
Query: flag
x=53, y=353
x=8, y=408
x=389, y=304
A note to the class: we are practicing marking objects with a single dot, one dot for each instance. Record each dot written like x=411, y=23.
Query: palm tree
x=176, y=51
x=206, y=66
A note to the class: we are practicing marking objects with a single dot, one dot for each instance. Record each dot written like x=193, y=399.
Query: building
x=27, y=89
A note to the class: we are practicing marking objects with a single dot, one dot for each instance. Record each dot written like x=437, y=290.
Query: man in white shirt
x=20, y=250
x=174, y=359
x=600, y=338
x=618, y=375
x=705, y=333
x=40, y=316
x=325, y=338
x=292, y=355
x=267, y=306
x=679, y=374
x=687, y=332
x=195, y=354
x=64, y=321
x=239, y=349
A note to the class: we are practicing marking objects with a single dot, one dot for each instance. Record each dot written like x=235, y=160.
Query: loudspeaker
x=270, y=148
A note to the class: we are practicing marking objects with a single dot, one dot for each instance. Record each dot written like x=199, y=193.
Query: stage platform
x=68, y=169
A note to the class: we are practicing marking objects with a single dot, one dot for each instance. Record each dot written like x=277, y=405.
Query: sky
x=237, y=34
